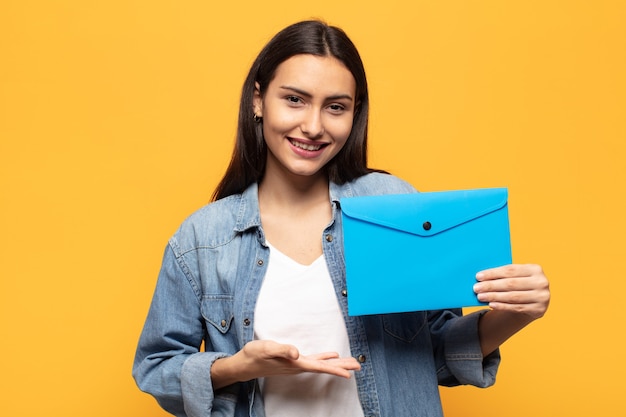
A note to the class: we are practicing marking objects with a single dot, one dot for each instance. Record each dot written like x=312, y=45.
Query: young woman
x=258, y=275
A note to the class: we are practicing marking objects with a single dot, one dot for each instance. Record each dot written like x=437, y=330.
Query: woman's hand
x=262, y=358
x=522, y=289
x=517, y=295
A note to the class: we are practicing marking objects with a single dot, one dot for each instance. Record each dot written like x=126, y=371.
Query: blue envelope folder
x=409, y=252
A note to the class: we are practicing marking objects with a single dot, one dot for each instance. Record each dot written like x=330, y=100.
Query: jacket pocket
x=217, y=311
x=405, y=326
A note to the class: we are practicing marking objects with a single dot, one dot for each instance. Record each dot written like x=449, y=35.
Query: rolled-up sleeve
x=458, y=353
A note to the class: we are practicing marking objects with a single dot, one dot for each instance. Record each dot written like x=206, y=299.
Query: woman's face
x=307, y=112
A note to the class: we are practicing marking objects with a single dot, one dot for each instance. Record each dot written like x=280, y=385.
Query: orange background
x=117, y=120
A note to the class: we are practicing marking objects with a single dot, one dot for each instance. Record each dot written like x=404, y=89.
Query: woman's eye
x=336, y=108
x=293, y=99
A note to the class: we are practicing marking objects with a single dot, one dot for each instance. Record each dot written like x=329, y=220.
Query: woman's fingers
x=517, y=288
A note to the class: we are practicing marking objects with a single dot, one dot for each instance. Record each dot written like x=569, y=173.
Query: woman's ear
x=257, y=101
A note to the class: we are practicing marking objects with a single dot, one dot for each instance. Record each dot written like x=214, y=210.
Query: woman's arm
x=517, y=295
x=168, y=352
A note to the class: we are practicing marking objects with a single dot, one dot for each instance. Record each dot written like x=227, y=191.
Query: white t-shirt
x=297, y=305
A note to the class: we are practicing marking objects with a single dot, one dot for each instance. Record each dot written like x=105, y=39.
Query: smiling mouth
x=307, y=146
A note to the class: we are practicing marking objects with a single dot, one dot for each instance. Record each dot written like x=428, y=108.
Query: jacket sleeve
x=458, y=355
x=168, y=362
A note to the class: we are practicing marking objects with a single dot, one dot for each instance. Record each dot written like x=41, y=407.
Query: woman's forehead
x=315, y=75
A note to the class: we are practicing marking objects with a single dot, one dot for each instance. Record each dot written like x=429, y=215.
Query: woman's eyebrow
x=309, y=95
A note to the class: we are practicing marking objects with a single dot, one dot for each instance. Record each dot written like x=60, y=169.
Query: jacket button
x=223, y=323
x=361, y=358
x=344, y=293
x=259, y=262
x=329, y=238
x=427, y=226
x=246, y=322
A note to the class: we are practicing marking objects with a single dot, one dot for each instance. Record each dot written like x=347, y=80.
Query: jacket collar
x=337, y=191
x=248, y=214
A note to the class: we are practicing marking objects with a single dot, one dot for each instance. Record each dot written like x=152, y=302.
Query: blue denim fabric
x=206, y=292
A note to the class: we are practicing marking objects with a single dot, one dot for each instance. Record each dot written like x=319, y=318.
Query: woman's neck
x=293, y=191
x=294, y=215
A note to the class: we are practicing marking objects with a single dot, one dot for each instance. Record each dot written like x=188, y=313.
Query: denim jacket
x=206, y=292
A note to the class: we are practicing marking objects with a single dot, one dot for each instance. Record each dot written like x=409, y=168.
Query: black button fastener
x=344, y=293
x=329, y=238
x=260, y=262
x=427, y=226
x=246, y=322
x=361, y=358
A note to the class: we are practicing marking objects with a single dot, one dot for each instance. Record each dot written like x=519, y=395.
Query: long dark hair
x=307, y=37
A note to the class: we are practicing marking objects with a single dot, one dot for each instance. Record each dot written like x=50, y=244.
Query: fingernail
x=480, y=275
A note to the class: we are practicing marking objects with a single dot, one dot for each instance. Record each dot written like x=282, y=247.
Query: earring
x=257, y=118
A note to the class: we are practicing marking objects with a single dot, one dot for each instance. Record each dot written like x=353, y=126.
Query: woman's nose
x=312, y=124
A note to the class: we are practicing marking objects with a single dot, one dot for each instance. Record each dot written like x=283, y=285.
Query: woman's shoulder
x=379, y=183
x=215, y=210
x=211, y=225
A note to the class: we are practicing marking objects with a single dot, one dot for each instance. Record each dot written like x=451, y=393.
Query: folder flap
x=425, y=214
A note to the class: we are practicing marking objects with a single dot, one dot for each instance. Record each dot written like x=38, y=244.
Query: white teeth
x=305, y=146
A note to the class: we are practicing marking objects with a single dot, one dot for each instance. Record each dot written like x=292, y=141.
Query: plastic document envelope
x=409, y=252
